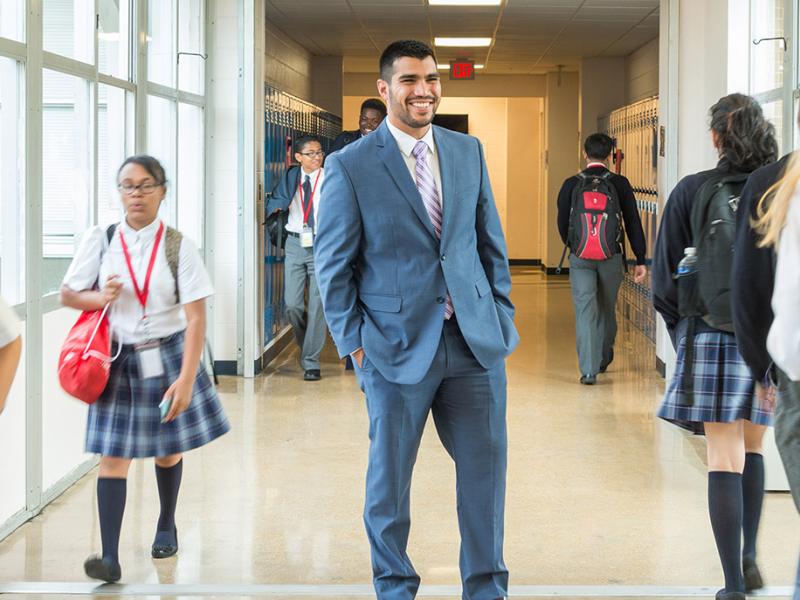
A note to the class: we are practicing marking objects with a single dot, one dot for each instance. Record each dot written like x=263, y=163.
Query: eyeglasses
x=313, y=154
x=144, y=188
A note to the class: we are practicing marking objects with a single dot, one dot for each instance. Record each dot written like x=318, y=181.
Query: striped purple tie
x=430, y=198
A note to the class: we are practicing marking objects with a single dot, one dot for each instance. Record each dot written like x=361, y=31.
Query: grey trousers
x=595, y=285
x=787, y=438
x=308, y=324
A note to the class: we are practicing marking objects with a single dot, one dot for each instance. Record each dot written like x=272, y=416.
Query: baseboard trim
x=225, y=367
x=661, y=367
x=525, y=262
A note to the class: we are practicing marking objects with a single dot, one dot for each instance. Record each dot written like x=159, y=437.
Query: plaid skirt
x=724, y=390
x=126, y=421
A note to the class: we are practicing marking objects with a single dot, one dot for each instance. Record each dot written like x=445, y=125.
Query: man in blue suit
x=413, y=272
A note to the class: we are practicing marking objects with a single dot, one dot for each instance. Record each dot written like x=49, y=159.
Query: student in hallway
x=777, y=224
x=159, y=401
x=300, y=191
x=595, y=208
x=713, y=391
x=10, y=349
x=372, y=114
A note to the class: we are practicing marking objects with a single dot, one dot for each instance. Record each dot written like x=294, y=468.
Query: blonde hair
x=774, y=204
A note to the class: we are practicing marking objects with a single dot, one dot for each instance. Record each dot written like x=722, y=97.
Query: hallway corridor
x=599, y=493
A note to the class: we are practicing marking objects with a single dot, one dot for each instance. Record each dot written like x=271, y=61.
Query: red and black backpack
x=595, y=220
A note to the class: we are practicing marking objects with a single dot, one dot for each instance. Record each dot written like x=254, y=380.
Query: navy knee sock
x=725, y=510
x=111, y=493
x=753, y=498
x=169, y=483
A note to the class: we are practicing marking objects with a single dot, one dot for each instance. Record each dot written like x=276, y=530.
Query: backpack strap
x=172, y=247
x=110, y=230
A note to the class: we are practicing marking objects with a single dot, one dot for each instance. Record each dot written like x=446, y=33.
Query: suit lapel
x=393, y=159
x=447, y=172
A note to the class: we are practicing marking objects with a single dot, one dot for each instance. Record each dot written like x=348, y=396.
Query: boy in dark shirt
x=595, y=283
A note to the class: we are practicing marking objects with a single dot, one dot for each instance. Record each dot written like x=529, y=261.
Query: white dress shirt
x=783, y=341
x=9, y=324
x=406, y=144
x=295, y=221
x=164, y=315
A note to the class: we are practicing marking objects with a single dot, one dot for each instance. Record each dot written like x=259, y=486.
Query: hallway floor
x=599, y=492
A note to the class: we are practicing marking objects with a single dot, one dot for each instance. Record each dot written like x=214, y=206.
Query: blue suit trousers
x=468, y=403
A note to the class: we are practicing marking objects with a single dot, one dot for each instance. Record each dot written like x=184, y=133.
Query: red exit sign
x=462, y=69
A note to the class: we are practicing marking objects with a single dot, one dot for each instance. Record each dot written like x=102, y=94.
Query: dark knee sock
x=169, y=483
x=111, y=494
x=725, y=510
x=753, y=497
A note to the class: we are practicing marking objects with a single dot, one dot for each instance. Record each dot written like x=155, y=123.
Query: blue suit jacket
x=284, y=192
x=382, y=272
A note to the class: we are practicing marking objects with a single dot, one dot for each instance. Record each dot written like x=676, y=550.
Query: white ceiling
x=531, y=36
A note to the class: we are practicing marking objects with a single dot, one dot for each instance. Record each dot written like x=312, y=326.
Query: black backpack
x=713, y=224
x=595, y=220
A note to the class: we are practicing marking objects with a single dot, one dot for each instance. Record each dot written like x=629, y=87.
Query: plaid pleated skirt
x=724, y=390
x=126, y=421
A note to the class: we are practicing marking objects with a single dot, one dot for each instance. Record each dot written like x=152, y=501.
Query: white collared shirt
x=164, y=315
x=295, y=221
x=406, y=144
x=783, y=341
x=9, y=324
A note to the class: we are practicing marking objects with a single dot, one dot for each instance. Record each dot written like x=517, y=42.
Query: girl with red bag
x=159, y=401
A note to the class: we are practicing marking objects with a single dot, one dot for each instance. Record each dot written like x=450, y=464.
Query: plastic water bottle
x=688, y=264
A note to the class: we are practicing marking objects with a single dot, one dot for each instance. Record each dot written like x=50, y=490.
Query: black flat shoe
x=165, y=544
x=103, y=569
x=604, y=366
x=312, y=375
x=723, y=595
x=588, y=379
x=752, y=576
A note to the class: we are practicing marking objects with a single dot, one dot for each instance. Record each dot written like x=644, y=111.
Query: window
x=191, y=68
x=113, y=37
x=190, y=172
x=161, y=144
x=66, y=171
x=161, y=42
x=12, y=178
x=12, y=19
x=112, y=143
x=773, y=112
x=766, y=57
x=68, y=27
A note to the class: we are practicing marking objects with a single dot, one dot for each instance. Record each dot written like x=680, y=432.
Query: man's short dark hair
x=598, y=145
x=374, y=104
x=300, y=143
x=399, y=49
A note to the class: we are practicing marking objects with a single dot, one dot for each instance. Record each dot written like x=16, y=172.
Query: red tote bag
x=85, y=360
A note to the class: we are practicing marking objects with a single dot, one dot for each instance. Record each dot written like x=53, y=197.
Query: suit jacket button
x=440, y=300
x=442, y=257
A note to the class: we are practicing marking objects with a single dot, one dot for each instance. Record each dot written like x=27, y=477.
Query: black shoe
x=104, y=569
x=165, y=544
x=588, y=379
x=312, y=375
x=752, y=576
x=725, y=595
x=604, y=366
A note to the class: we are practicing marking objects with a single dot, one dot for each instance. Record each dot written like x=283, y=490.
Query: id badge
x=307, y=237
x=150, y=364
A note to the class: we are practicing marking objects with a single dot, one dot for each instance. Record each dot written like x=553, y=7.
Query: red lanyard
x=142, y=293
x=307, y=209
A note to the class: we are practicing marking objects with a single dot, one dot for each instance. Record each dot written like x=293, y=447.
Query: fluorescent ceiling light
x=455, y=42
x=465, y=2
x=446, y=67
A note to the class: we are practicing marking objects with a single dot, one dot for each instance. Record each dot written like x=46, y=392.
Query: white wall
x=641, y=68
x=288, y=65
x=603, y=88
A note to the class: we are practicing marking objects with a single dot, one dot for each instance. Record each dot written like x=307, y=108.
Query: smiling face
x=369, y=120
x=413, y=94
x=310, y=156
x=141, y=195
